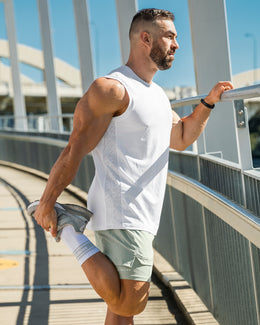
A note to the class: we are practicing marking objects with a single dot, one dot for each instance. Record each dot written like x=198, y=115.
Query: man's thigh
x=131, y=251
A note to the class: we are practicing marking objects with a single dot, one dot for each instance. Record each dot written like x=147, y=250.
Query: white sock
x=79, y=244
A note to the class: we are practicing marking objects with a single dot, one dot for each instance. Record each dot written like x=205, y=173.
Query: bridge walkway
x=40, y=281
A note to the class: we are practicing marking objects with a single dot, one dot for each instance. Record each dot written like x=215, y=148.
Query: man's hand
x=216, y=92
x=47, y=219
x=187, y=129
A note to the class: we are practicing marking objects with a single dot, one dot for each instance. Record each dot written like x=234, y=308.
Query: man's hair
x=149, y=15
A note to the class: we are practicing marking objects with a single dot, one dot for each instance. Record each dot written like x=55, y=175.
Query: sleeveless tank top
x=131, y=160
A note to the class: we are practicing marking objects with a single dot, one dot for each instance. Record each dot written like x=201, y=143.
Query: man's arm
x=187, y=129
x=104, y=99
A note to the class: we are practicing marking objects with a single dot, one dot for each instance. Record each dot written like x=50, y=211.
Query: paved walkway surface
x=40, y=281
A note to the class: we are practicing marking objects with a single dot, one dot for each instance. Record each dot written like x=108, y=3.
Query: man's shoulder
x=106, y=88
x=105, y=96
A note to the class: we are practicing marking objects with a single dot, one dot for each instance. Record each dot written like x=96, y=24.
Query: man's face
x=164, y=44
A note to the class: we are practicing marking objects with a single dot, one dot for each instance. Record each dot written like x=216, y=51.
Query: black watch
x=206, y=104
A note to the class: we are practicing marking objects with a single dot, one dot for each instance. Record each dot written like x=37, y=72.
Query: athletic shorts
x=131, y=251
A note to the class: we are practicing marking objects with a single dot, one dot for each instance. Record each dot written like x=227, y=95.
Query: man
x=126, y=121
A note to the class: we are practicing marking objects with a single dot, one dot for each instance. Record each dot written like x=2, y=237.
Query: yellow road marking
x=7, y=264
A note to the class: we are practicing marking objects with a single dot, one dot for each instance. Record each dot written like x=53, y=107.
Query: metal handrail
x=238, y=218
x=227, y=96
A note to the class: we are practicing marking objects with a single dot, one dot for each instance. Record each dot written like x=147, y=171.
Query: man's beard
x=159, y=57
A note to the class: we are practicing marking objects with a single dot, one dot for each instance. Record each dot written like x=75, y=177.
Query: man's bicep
x=88, y=129
x=94, y=113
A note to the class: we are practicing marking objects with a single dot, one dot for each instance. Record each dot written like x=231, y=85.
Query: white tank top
x=131, y=160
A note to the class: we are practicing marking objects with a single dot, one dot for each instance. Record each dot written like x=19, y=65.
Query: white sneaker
x=67, y=214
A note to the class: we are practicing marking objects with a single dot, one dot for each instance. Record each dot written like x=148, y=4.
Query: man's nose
x=175, y=44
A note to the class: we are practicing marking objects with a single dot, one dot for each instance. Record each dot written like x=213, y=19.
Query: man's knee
x=129, y=308
x=133, y=298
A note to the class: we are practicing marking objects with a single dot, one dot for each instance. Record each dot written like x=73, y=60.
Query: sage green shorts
x=130, y=250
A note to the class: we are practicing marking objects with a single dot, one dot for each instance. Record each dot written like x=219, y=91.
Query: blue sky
x=242, y=16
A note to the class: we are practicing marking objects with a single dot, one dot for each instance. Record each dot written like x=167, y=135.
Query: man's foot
x=67, y=214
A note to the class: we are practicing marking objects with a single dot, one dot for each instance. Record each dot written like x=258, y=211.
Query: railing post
x=254, y=281
x=174, y=228
x=244, y=145
x=208, y=259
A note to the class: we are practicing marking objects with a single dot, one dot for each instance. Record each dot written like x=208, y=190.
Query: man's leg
x=123, y=297
x=114, y=319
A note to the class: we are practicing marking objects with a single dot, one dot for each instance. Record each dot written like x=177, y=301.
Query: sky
x=242, y=17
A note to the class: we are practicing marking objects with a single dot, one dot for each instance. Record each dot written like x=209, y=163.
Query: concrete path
x=41, y=283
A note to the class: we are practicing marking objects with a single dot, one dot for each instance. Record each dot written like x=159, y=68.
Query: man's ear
x=146, y=38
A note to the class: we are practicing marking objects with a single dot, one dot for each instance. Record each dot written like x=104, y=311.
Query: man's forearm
x=194, y=124
x=61, y=175
x=187, y=129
